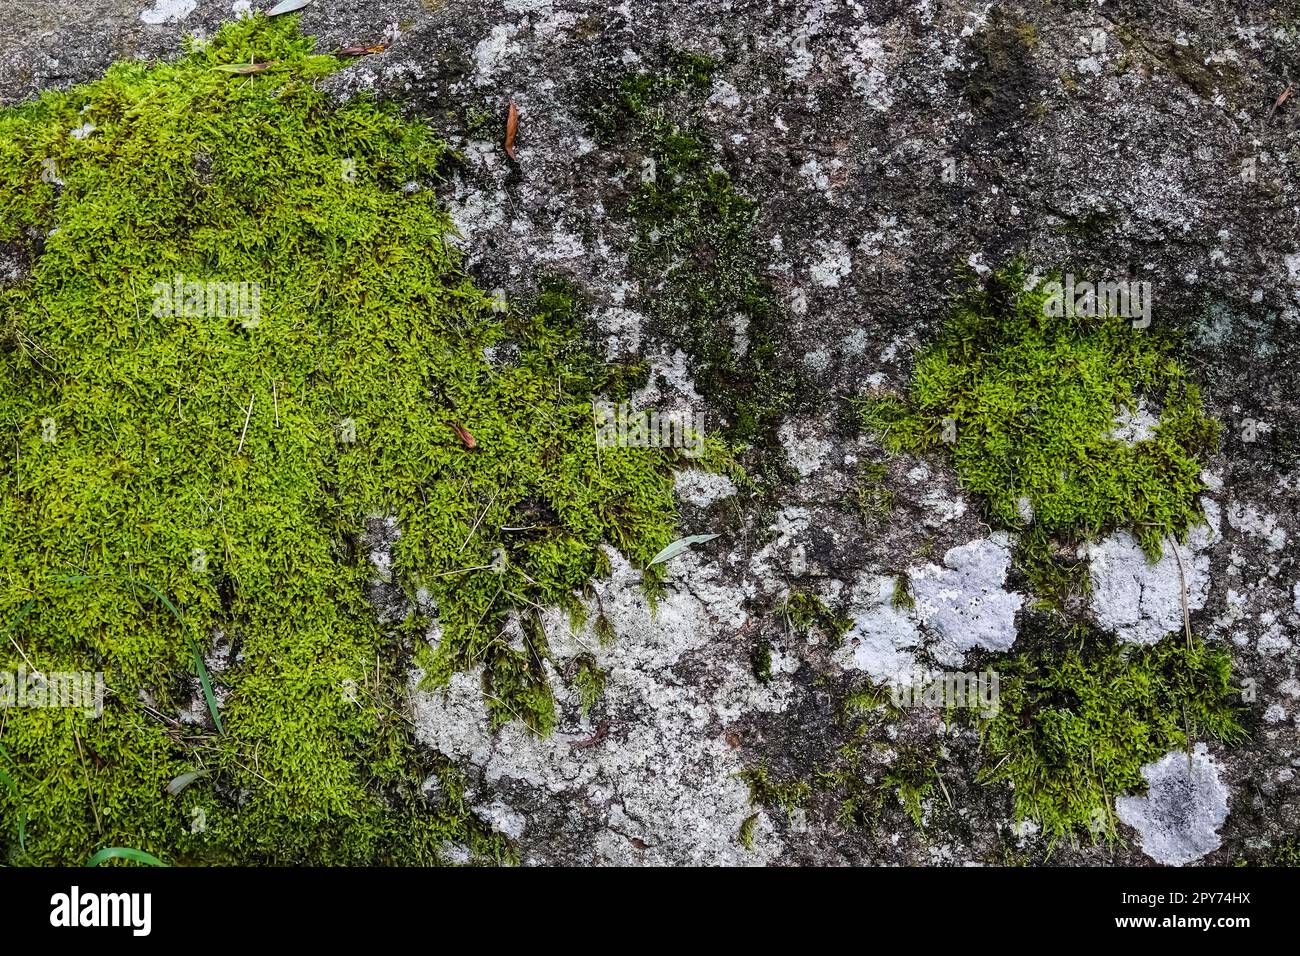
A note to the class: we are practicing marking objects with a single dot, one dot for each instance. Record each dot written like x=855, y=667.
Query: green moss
x=912, y=777
x=483, y=122
x=1076, y=725
x=745, y=836
x=902, y=597
x=231, y=465
x=787, y=795
x=806, y=611
x=861, y=802
x=1026, y=402
x=589, y=680
x=694, y=248
x=1287, y=854
x=875, y=500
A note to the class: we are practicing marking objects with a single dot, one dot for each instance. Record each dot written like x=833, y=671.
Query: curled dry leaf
x=362, y=50
x=287, y=6
x=463, y=434
x=184, y=780
x=678, y=546
x=1282, y=98
x=512, y=127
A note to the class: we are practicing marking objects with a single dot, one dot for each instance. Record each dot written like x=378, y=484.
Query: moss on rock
x=181, y=467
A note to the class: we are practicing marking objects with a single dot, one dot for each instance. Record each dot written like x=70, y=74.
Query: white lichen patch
x=670, y=384
x=964, y=603
x=474, y=211
x=1133, y=425
x=834, y=265
x=1186, y=803
x=955, y=608
x=1140, y=601
x=167, y=11
x=493, y=51
x=702, y=488
x=784, y=554
x=621, y=329
x=868, y=66
x=1248, y=519
x=805, y=448
x=883, y=639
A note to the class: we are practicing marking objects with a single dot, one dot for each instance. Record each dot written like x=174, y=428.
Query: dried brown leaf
x=463, y=434
x=362, y=50
x=1282, y=98
x=512, y=127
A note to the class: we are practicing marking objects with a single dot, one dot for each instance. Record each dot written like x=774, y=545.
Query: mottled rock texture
x=884, y=144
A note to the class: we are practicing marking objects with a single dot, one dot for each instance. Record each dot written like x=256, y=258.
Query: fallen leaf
x=512, y=127
x=240, y=69
x=678, y=546
x=463, y=434
x=184, y=780
x=1285, y=95
x=287, y=6
x=362, y=50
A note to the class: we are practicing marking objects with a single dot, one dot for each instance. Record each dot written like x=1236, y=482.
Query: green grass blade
x=207, y=687
x=199, y=666
x=22, y=613
x=124, y=853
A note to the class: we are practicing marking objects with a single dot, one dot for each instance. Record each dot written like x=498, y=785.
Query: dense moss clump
x=245, y=335
x=1075, y=728
x=694, y=246
x=1025, y=396
x=1027, y=401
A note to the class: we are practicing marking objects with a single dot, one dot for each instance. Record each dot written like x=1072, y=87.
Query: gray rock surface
x=884, y=144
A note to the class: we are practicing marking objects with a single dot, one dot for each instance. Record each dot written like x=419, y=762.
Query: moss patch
x=1027, y=402
x=694, y=248
x=806, y=611
x=198, y=457
x=788, y=795
x=1076, y=726
x=912, y=777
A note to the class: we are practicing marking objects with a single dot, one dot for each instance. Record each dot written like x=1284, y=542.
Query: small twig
x=275, y=397
x=602, y=731
x=1182, y=593
x=512, y=710
x=1187, y=628
x=481, y=567
x=9, y=633
x=90, y=793
x=478, y=520
x=247, y=415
